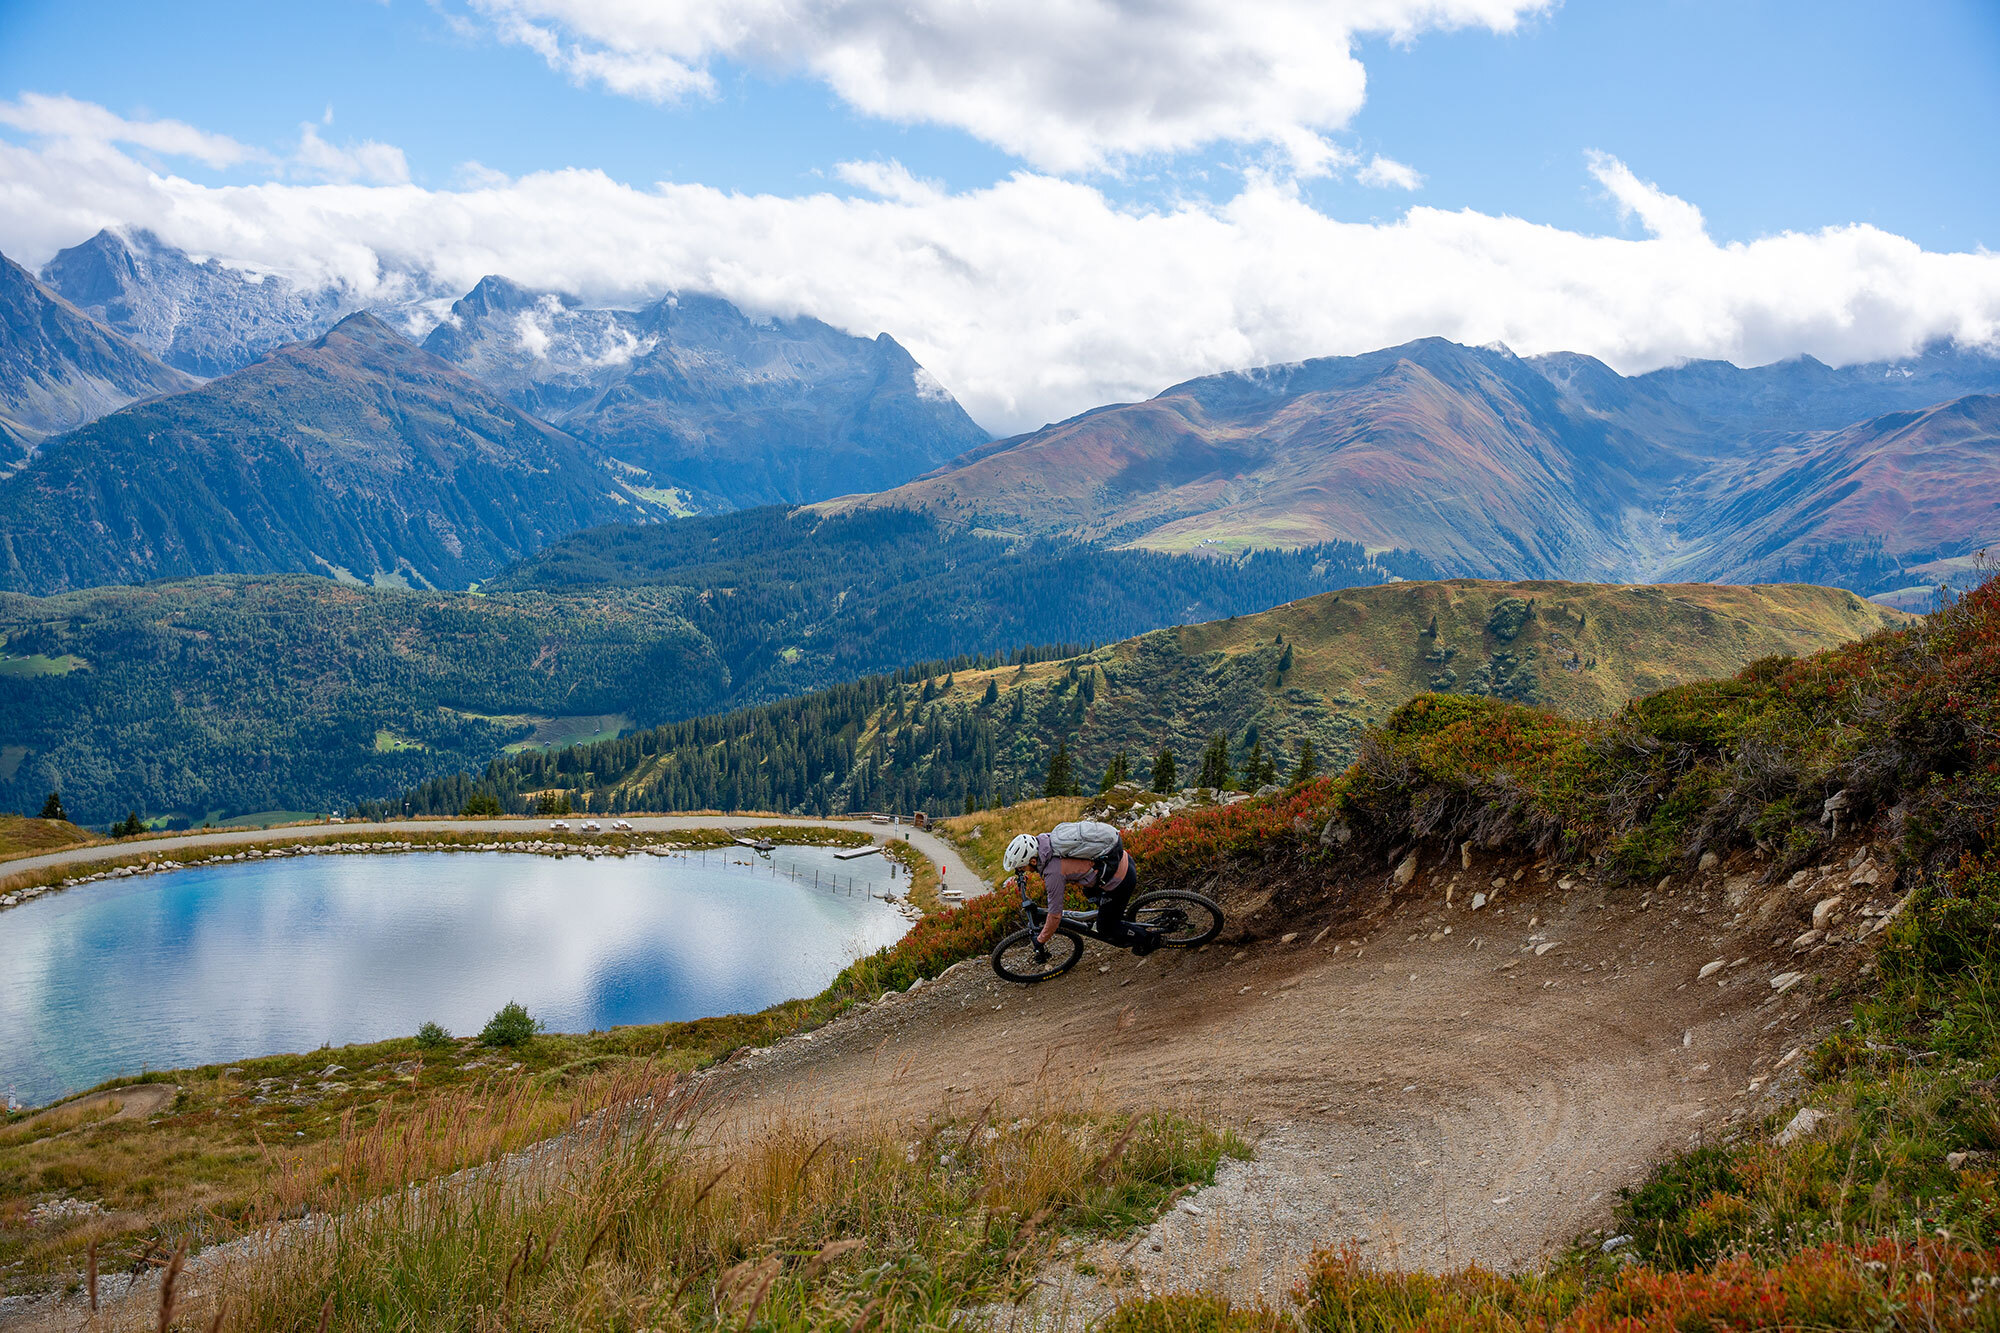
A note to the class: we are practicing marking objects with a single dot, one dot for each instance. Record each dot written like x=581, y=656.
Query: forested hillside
x=795, y=601
x=234, y=695
x=229, y=695
x=1319, y=670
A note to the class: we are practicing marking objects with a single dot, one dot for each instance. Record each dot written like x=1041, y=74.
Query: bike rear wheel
x=1182, y=919
x=1020, y=958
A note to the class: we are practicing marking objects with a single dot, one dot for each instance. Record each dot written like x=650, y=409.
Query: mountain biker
x=1036, y=852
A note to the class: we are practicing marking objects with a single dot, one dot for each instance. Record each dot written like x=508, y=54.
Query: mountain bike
x=1182, y=920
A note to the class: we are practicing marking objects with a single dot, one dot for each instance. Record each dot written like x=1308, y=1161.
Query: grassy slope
x=1582, y=649
x=22, y=836
x=1358, y=655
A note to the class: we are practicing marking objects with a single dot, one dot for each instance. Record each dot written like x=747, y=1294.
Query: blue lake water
x=231, y=961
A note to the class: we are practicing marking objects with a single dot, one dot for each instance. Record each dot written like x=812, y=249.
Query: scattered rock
x=1615, y=1243
x=1784, y=981
x=1336, y=833
x=1465, y=856
x=63, y=1210
x=1541, y=949
x=1807, y=940
x=1478, y=901
x=1805, y=1122
x=1708, y=970
x=1827, y=912
x=1708, y=862
x=1406, y=871
x=1288, y=937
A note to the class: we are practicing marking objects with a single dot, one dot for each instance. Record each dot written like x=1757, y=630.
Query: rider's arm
x=1056, y=876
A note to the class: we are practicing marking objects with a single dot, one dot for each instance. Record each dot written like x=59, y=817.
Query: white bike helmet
x=1019, y=853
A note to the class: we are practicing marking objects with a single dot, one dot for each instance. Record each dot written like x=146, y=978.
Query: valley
x=213, y=697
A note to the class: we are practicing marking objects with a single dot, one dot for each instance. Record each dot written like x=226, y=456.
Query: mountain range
x=698, y=396
x=357, y=455
x=692, y=393
x=1484, y=463
x=1879, y=477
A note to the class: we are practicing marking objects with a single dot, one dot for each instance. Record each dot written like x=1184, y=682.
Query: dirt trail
x=135, y=1101
x=1438, y=1098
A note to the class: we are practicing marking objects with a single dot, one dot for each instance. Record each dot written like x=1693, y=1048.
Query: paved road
x=957, y=874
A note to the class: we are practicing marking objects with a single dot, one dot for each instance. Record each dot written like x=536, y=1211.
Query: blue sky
x=1770, y=115
x=1766, y=116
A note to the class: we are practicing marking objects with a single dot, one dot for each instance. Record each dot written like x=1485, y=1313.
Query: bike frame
x=1035, y=914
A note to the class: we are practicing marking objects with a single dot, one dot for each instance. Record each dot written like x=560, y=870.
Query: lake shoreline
x=658, y=928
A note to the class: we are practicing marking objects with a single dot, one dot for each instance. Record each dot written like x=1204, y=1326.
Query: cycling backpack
x=1088, y=840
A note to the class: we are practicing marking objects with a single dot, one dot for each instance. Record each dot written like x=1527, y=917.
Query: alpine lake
x=229, y=961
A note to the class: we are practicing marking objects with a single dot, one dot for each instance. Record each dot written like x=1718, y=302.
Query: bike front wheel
x=1180, y=918
x=1020, y=957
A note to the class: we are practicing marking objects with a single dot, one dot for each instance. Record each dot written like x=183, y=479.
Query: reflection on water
x=227, y=962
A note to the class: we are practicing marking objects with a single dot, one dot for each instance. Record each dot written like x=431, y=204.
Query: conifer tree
x=1061, y=780
x=992, y=695
x=1163, y=770
x=1308, y=763
x=1115, y=772
x=53, y=807
x=1258, y=770
x=1215, y=763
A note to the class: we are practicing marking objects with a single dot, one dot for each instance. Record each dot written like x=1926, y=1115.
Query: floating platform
x=853, y=852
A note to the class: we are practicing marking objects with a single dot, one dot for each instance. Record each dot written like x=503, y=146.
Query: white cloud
x=890, y=180
x=85, y=123
x=1066, y=85
x=1658, y=212
x=1037, y=297
x=1386, y=173
x=368, y=161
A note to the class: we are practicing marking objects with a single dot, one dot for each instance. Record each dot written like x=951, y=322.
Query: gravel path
x=957, y=874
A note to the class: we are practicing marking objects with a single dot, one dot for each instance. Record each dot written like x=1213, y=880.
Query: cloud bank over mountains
x=1034, y=297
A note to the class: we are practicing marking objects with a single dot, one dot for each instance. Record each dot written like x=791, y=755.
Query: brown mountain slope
x=1901, y=491
x=1466, y=455
x=1481, y=463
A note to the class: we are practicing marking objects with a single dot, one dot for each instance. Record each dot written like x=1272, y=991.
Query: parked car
x=559, y=826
